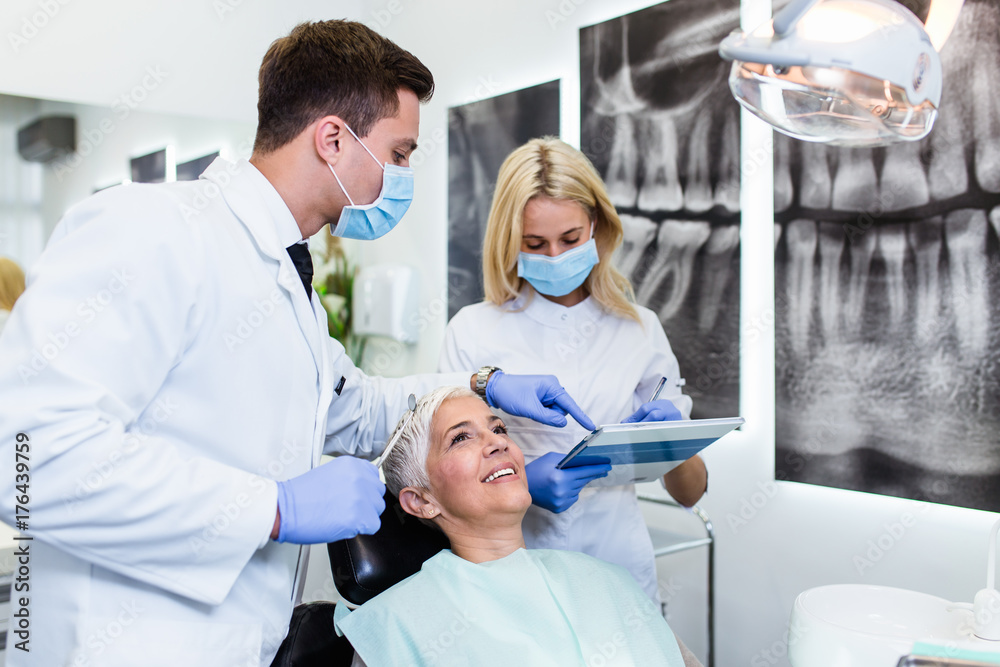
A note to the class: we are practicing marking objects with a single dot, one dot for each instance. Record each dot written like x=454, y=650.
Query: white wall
x=22, y=234
x=108, y=137
x=774, y=540
x=94, y=52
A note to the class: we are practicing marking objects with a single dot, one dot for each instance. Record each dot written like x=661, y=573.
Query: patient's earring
x=431, y=512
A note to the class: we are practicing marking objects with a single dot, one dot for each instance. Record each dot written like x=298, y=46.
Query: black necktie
x=299, y=252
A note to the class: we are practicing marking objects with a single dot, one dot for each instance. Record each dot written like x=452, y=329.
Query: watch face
x=483, y=377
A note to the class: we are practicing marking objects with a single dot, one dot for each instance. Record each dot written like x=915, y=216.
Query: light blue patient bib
x=539, y=607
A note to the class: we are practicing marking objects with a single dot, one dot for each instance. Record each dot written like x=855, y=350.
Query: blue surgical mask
x=559, y=275
x=367, y=222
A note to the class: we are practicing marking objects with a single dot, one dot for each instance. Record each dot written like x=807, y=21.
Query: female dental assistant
x=556, y=304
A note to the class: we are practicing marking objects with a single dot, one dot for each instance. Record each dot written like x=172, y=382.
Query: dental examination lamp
x=843, y=72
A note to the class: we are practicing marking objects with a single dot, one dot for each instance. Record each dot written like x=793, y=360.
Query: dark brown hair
x=341, y=68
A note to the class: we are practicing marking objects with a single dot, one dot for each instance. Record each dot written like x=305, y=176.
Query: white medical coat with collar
x=167, y=367
x=610, y=366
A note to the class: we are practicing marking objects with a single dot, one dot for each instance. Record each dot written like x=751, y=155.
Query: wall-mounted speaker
x=47, y=139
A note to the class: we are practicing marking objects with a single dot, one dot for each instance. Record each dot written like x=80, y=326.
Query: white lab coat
x=167, y=366
x=610, y=366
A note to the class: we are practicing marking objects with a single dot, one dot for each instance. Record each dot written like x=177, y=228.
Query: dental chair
x=363, y=567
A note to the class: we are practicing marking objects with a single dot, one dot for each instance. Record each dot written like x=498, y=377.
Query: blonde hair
x=549, y=167
x=11, y=283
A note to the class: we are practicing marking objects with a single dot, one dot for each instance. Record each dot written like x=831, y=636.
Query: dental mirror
x=411, y=403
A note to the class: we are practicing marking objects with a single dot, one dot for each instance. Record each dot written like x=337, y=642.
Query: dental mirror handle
x=411, y=403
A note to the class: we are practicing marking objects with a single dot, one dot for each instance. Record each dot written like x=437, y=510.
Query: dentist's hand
x=556, y=490
x=655, y=411
x=331, y=502
x=538, y=397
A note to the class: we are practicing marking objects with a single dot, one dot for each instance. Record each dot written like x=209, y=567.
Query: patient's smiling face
x=476, y=471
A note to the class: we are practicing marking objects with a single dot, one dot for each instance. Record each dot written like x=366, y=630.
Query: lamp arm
x=785, y=20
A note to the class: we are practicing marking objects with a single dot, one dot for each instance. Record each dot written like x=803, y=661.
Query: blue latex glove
x=655, y=411
x=538, y=397
x=556, y=490
x=331, y=502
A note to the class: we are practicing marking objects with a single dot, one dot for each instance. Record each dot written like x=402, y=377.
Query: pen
x=659, y=388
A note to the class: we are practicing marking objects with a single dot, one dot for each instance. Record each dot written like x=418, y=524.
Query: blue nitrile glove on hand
x=331, y=502
x=655, y=411
x=538, y=397
x=556, y=490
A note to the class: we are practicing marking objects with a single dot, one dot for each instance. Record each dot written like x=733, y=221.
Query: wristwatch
x=482, y=377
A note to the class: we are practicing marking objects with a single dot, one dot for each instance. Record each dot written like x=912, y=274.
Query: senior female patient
x=488, y=600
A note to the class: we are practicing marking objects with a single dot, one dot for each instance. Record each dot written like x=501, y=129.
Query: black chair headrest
x=366, y=565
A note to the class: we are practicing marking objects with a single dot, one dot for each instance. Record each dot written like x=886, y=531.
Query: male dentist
x=167, y=384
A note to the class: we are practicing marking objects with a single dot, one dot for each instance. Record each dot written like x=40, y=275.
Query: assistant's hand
x=655, y=411
x=331, y=502
x=556, y=490
x=538, y=397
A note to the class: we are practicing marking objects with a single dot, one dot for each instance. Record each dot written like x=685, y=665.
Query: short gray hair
x=406, y=464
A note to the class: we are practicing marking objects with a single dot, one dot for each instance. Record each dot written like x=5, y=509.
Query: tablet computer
x=644, y=451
